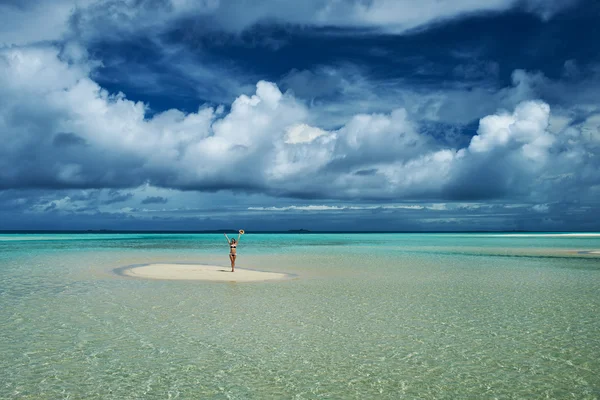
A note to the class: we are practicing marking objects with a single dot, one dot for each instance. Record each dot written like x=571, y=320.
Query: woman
x=233, y=249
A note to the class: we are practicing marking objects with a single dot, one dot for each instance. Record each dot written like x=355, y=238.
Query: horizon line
x=289, y=231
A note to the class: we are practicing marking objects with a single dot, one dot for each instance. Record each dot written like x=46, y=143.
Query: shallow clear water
x=390, y=316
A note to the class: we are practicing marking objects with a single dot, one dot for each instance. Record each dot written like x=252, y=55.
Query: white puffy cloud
x=60, y=129
x=525, y=128
x=303, y=134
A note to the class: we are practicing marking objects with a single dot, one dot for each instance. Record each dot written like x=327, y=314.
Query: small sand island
x=199, y=272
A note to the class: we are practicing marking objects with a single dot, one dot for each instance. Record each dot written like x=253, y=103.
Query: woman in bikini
x=233, y=248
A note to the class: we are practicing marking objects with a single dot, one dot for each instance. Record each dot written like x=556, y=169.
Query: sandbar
x=199, y=272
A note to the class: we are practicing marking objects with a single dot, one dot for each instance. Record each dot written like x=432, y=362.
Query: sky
x=326, y=115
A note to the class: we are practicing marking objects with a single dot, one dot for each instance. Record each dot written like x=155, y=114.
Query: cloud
x=526, y=127
x=477, y=70
x=67, y=139
x=448, y=110
x=337, y=93
x=154, y=200
x=547, y=9
x=61, y=130
x=303, y=133
x=506, y=156
x=329, y=208
x=415, y=122
x=392, y=16
x=117, y=197
x=31, y=21
x=82, y=209
x=38, y=21
x=323, y=81
x=299, y=208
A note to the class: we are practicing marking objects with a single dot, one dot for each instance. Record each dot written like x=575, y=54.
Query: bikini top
x=233, y=246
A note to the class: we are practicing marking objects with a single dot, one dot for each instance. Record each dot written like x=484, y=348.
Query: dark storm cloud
x=116, y=197
x=154, y=200
x=366, y=172
x=89, y=209
x=484, y=181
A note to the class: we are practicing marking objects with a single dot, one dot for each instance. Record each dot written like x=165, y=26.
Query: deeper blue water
x=368, y=315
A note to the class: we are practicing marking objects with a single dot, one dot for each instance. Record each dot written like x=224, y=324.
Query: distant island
x=299, y=231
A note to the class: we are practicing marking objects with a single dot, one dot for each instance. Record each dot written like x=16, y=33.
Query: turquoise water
x=369, y=315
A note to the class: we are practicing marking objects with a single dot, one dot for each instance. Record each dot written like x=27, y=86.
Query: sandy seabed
x=200, y=272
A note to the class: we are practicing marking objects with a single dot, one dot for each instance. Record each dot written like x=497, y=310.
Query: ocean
x=415, y=316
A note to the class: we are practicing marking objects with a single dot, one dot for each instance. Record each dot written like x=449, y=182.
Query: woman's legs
x=232, y=258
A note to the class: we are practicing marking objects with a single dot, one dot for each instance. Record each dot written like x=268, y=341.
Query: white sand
x=200, y=272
